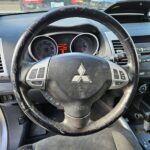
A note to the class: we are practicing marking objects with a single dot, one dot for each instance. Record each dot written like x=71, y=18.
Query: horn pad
x=76, y=77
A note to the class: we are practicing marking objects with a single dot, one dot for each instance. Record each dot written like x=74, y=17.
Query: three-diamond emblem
x=82, y=76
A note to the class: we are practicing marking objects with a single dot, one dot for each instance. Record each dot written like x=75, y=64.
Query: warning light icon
x=62, y=48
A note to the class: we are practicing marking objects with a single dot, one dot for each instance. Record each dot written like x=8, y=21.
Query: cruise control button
x=122, y=75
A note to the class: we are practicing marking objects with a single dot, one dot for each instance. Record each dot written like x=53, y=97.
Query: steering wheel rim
x=20, y=90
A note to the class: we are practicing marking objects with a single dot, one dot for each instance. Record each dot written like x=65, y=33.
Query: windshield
x=12, y=6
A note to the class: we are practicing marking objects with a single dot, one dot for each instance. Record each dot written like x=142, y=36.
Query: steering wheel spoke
x=36, y=77
x=119, y=76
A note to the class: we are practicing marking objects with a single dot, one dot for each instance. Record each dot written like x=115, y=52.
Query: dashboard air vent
x=1, y=65
x=3, y=68
x=119, y=51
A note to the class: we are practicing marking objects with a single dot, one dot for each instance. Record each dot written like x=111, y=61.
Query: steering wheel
x=75, y=80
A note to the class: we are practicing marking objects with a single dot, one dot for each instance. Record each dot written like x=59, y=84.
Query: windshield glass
x=12, y=6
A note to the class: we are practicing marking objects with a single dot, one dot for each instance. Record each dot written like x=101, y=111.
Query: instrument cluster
x=49, y=45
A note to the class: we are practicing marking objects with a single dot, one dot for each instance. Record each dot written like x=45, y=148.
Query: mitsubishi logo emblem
x=81, y=77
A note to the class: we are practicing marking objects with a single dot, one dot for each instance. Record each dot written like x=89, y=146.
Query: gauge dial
x=85, y=43
x=43, y=47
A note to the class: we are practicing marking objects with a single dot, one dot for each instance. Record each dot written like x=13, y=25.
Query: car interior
x=76, y=77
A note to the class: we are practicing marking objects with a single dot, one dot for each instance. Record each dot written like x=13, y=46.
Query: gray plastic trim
x=110, y=37
x=6, y=88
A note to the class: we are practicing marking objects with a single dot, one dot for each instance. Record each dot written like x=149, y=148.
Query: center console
x=140, y=121
x=141, y=126
x=142, y=44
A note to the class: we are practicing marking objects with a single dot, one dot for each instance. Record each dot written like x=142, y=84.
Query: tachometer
x=43, y=47
x=85, y=43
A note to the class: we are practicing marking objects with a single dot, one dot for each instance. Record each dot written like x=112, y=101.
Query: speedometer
x=43, y=47
x=85, y=43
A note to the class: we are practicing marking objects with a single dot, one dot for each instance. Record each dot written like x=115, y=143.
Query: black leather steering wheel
x=75, y=80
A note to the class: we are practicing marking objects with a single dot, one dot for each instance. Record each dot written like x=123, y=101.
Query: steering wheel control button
x=33, y=74
x=41, y=72
x=119, y=76
x=38, y=83
x=116, y=74
x=122, y=75
x=118, y=83
x=37, y=74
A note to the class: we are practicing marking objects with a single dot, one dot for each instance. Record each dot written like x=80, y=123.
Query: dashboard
x=63, y=36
